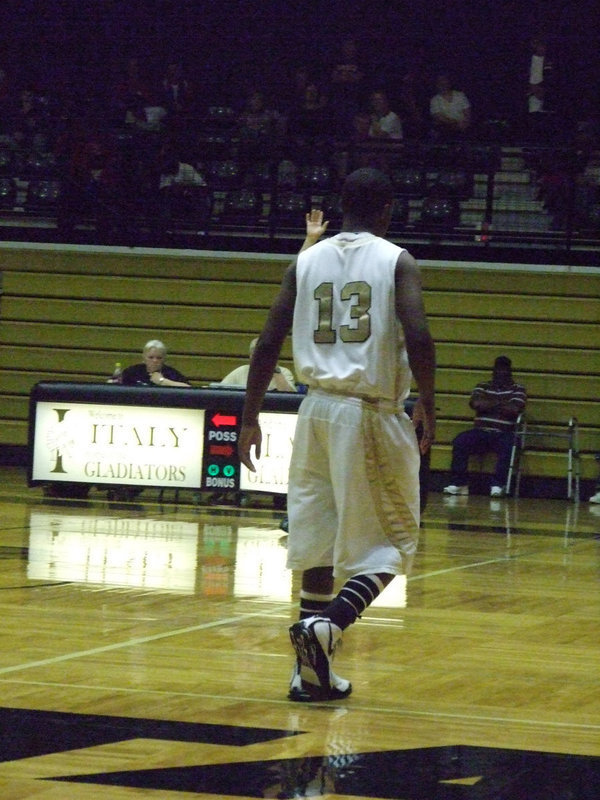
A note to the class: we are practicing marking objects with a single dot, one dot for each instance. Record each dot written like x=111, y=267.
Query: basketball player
x=355, y=307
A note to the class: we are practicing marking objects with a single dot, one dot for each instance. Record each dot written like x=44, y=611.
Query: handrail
x=524, y=430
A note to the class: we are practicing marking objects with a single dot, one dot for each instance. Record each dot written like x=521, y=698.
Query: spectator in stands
x=540, y=76
x=450, y=110
x=259, y=127
x=348, y=82
x=361, y=128
x=176, y=173
x=94, y=177
x=309, y=119
x=361, y=147
x=497, y=405
x=385, y=123
x=348, y=71
x=541, y=91
x=563, y=186
x=282, y=380
x=28, y=125
x=175, y=94
x=411, y=108
x=179, y=192
x=149, y=116
x=153, y=371
x=131, y=93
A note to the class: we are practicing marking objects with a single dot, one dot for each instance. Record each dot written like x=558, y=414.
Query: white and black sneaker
x=314, y=640
x=304, y=687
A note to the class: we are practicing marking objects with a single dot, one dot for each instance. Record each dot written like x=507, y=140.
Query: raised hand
x=315, y=227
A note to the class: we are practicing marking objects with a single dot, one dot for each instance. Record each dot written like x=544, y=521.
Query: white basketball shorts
x=353, y=494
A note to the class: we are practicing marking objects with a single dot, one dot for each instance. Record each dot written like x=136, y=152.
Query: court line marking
x=576, y=726
x=132, y=642
x=262, y=700
x=205, y=625
x=422, y=576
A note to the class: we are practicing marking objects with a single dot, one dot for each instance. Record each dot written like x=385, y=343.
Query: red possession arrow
x=221, y=450
x=221, y=419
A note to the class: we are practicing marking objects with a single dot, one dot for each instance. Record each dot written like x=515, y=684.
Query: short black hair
x=503, y=361
x=365, y=193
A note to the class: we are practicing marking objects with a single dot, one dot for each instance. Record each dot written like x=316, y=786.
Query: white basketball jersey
x=346, y=335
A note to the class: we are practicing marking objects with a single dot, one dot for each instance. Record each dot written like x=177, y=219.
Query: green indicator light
x=213, y=469
x=228, y=470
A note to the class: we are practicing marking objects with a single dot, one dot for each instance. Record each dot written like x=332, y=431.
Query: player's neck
x=350, y=225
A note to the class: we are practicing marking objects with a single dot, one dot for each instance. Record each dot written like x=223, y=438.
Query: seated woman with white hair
x=153, y=370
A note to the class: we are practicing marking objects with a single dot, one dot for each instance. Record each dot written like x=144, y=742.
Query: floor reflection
x=111, y=551
x=211, y=559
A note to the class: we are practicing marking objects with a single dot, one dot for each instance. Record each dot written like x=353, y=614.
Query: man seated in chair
x=497, y=405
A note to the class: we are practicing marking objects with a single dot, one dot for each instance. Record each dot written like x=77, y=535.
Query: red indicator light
x=223, y=419
x=221, y=450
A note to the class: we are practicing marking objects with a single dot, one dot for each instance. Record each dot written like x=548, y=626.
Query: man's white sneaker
x=452, y=489
x=305, y=688
x=314, y=640
x=497, y=491
x=595, y=498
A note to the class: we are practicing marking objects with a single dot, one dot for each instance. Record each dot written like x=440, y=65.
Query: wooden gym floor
x=144, y=653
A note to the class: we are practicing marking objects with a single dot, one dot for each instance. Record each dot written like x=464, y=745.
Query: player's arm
x=420, y=347
x=263, y=363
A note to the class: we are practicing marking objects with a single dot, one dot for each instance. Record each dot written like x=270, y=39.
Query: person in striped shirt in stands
x=497, y=405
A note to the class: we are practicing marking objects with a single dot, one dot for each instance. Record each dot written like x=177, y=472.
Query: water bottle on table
x=117, y=376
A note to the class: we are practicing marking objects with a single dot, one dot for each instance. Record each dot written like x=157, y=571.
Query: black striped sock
x=355, y=595
x=312, y=604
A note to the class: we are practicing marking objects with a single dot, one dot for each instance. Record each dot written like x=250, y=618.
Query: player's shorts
x=353, y=492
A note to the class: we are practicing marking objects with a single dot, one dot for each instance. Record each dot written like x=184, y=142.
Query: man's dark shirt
x=137, y=375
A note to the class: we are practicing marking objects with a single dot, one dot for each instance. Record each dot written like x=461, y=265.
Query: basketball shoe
x=304, y=686
x=315, y=640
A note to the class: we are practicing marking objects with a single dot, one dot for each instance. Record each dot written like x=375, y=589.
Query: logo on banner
x=60, y=440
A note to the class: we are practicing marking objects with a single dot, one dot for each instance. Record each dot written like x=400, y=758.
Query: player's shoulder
x=308, y=255
x=405, y=257
x=406, y=264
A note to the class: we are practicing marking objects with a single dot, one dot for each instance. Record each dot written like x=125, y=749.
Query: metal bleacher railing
x=478, y=195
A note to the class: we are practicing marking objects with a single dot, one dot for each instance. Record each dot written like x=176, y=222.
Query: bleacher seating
x=70, y=313
x=498, y=187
